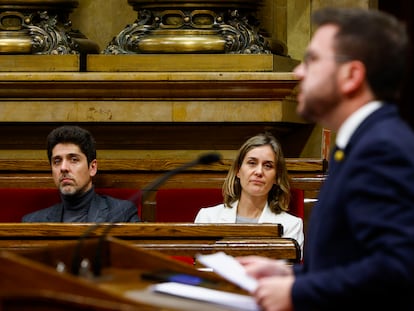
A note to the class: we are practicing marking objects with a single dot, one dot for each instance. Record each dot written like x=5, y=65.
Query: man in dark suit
x=72, y=155
x=359, y=249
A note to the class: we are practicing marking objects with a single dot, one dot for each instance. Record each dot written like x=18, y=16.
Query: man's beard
x=68, y=190
x=317, y=107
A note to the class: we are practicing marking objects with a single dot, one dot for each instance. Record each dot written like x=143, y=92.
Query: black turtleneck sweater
x=76, y=208
x=89, y=207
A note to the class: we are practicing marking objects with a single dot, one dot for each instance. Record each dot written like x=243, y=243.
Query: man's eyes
x=72, y=160
x=309, y=58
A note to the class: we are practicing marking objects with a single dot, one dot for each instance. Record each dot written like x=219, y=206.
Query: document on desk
x=230, y=269
x=232, y=300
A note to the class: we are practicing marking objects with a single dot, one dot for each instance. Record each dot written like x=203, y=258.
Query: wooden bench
x=183, y=204
x=174, y=239
x=17, y=202
x=117, y=173
x=172, y=205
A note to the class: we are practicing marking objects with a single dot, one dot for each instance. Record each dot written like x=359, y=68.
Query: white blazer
x=292, y=225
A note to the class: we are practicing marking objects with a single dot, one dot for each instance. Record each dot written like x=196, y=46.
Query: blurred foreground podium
x=97, y=273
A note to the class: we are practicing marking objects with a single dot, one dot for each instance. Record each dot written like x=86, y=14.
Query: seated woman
x=257, y=189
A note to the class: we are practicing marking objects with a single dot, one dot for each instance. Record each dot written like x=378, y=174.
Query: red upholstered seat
x=17, y=202
x=182, y=204
x=297, y=202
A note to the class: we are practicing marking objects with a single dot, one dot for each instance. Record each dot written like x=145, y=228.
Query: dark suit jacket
x=359, y=250
x=103, y=209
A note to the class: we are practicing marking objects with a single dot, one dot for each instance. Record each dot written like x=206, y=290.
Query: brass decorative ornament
x=197, y=26
x=40, y=27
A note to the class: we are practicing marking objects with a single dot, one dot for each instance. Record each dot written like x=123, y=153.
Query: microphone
x=209, y=158
x=204, y=159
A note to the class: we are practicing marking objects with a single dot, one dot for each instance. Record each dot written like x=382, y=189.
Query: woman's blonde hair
x=279, y=196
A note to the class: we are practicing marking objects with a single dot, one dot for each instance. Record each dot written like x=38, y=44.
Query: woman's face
x=257, y=173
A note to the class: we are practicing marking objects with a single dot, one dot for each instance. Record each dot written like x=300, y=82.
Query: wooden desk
x=174, y=239
x=33, y=277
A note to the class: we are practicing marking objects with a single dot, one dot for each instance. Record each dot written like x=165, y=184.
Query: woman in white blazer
x=257, y=189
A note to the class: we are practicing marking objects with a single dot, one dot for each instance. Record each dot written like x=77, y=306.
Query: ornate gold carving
x=199, y=26
x=40, y=27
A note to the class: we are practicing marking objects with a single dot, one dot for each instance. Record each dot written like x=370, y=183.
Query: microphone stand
x=97, y=264
x=204, y=159
x=76, y=259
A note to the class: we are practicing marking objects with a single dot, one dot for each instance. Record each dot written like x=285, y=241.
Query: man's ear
x=93, y=168
x=352, y=75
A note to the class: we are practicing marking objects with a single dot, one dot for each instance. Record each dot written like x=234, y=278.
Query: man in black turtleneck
x=72, y=155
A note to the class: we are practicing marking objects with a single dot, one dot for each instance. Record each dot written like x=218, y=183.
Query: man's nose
x=299, y=70
x=64, y=165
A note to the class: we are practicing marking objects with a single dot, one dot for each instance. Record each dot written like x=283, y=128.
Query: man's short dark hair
x=73, y=135
x=375, y=38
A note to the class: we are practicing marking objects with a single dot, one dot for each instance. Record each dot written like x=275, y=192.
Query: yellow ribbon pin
x=339, y=155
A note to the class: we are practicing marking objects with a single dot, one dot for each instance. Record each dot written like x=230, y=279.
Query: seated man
x=72, y=155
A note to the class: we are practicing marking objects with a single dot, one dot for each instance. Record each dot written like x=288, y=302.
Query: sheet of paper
x=229, y=268
x=233, y=300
